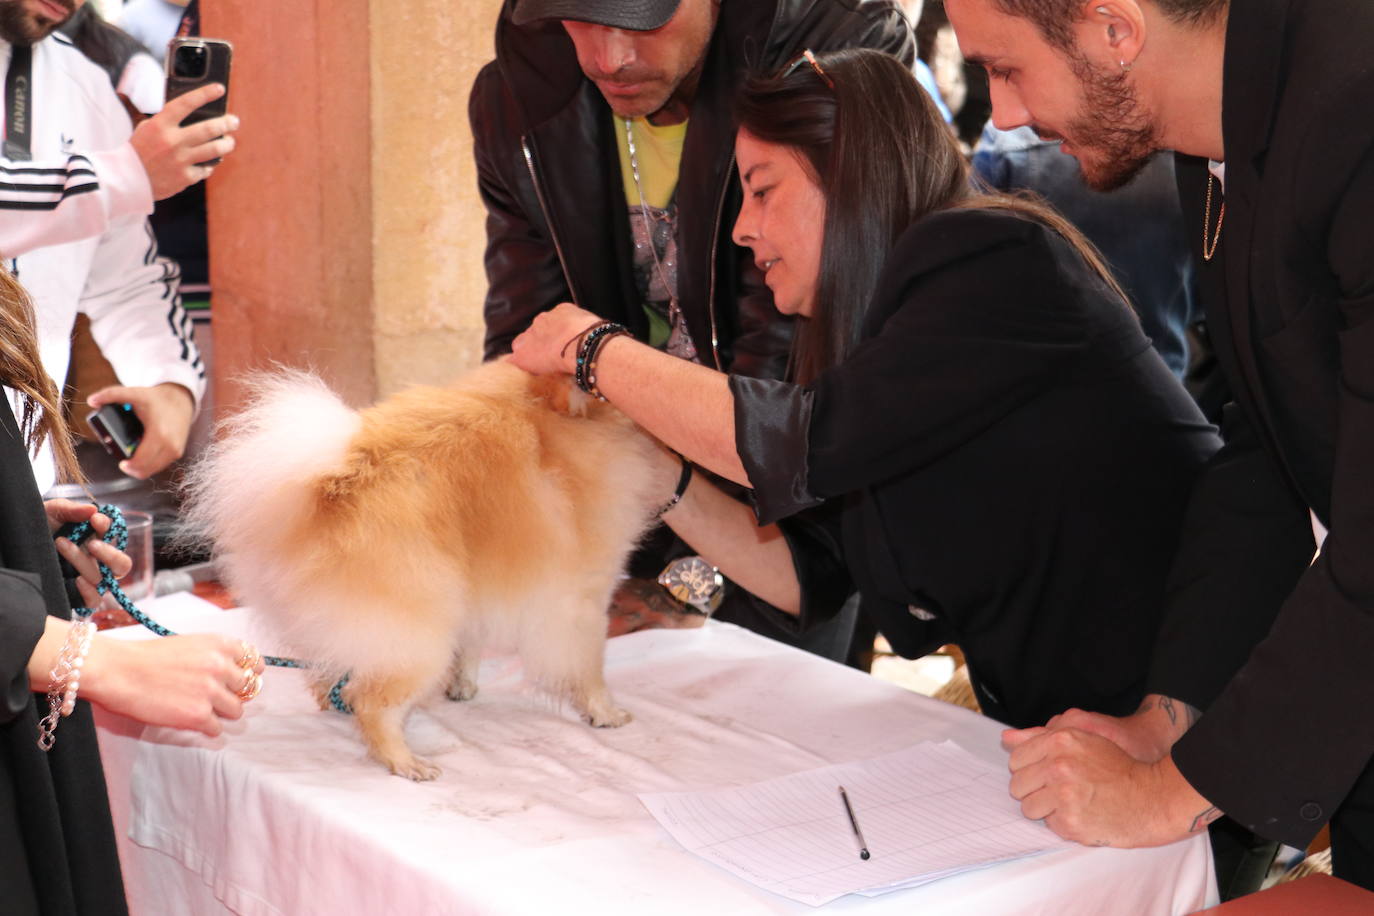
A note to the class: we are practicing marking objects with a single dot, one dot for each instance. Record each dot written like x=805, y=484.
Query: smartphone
x=118, y=428
x=194, y=62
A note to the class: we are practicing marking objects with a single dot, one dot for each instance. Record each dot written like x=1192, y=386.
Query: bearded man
x=1265, y=651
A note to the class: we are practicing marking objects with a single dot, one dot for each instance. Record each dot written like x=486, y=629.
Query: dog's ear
x=559, y=392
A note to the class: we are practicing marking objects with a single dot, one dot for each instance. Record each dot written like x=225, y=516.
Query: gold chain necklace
x=1208, y=251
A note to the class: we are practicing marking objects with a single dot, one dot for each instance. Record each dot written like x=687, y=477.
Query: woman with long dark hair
x=975, y=433
x=57, y=846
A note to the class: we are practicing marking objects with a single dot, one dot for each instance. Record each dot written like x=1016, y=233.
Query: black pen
x=853, y=822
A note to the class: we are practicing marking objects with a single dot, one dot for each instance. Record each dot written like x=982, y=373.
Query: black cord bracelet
x=683, y=480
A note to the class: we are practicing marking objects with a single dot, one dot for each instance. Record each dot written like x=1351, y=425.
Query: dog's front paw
x=607, y=717
x=417, y=769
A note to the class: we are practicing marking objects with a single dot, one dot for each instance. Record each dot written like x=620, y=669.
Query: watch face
x=692, y=580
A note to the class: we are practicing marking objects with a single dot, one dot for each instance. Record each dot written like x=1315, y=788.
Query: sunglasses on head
x=806, y=57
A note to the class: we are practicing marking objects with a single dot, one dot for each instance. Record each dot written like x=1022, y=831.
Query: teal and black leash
x=118, y=535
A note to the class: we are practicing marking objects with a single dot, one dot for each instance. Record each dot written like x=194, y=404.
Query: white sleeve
x=144, y=83
x=136, y=315
x=76, y=196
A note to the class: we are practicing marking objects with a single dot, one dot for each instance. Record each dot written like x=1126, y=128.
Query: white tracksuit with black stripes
x=113, y=274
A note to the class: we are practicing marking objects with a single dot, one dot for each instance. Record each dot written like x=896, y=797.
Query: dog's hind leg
x=462, y=684
x=381, y=705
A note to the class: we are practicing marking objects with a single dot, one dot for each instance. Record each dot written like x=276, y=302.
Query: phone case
x=218, y=55
x=118, y=428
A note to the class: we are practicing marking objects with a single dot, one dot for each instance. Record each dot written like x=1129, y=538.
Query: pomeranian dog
x=396, y=542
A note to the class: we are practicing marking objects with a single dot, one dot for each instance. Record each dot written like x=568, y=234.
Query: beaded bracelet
x=683, y=480
x=584, y=369
x=65, y=679
x=580, y=359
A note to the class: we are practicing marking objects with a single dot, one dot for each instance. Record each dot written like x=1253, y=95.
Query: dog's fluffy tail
x=255, y=483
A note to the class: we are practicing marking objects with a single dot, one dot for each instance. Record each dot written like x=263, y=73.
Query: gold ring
x=250, y=657
x=252, y=685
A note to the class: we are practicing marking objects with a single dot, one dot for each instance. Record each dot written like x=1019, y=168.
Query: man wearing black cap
x=604, y=149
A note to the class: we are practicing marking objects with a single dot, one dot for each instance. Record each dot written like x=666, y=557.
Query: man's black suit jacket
x=1280, y=654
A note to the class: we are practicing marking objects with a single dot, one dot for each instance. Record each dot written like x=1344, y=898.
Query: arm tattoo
x=1191, y=714
x=1204, y=818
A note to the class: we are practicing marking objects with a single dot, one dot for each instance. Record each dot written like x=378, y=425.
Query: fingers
x=201, y=133
x=1057, y=721
x=220, y=692
x=172, y=154
x=249, y=658
x=227, y=704
x=1015, y=737
x=100, y=523
x=1087, y=721
x=117, y=560
x=1027, y=780
x=113, y=394
x=153, y=454
x=544, y=348
x=202, y=158
x=89, y=596
x=178, y=108
x=81, y=561
x=1039, y=805
x=84, y=559
x=64, y=511
x=166, y=411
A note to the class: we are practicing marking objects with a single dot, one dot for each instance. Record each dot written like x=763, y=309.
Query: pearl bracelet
x=65, y=679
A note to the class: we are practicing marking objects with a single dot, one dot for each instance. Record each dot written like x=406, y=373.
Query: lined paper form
x=927, y=812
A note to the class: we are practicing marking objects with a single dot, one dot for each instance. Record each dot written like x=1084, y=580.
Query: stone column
x=346, y=233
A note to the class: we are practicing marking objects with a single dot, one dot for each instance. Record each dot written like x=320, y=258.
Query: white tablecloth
x=536, y=812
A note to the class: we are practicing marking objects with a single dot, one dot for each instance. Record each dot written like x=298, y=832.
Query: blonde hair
x=21, y=368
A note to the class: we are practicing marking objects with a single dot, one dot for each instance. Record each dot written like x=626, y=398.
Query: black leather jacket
x=549, y=176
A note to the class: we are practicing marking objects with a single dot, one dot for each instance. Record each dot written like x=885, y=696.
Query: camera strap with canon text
x=19, y=103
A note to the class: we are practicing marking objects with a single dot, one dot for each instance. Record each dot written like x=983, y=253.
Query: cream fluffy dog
x=394, y=543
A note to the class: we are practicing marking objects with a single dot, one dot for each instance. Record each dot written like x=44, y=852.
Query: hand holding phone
x=196, y=62
x=172, y=154
x=118, y=428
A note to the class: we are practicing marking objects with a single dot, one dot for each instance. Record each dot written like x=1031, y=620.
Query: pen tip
x=863, y=854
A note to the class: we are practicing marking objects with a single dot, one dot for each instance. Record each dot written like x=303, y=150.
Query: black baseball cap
x=634, y=15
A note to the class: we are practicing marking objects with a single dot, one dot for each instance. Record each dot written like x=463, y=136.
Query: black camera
x=190, y=61
x=118, y=428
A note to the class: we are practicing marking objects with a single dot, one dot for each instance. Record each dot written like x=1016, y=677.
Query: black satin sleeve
x=772, y=429
x=815, y=540
x=22, y=618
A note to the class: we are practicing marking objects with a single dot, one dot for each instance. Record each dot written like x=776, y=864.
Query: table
x=537, y=813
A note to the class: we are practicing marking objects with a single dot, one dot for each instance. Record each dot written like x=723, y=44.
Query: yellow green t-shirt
x=658, y=151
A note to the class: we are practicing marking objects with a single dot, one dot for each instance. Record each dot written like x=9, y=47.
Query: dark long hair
x=104, y=43
x=884, y=158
